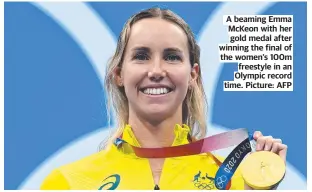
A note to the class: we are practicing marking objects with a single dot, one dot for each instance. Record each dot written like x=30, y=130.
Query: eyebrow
x=143, y=49
x=167, y=50
x=173, y=49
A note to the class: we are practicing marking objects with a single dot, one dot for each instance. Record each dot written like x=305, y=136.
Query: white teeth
x=158, y=91
x=155, y=91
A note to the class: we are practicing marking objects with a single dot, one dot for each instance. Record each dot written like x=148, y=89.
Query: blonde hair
x=194, y=104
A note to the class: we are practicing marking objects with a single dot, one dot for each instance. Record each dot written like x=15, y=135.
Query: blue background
x=48, y=104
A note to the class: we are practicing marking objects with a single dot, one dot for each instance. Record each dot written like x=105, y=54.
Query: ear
x=118, y=76
x=194, y=73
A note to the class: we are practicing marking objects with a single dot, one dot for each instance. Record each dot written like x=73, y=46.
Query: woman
x=154, y=83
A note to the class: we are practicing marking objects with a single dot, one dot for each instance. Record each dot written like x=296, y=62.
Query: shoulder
x=98, y=159
x=55, y=181
x=64, y=177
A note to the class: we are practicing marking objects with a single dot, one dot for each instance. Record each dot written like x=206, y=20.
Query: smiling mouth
x=156, y=91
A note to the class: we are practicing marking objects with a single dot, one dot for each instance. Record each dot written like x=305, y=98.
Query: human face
x=156, y=70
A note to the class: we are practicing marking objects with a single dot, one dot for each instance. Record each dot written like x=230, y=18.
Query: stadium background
x=55, y=57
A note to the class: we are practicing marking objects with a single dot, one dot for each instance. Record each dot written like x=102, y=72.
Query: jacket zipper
x=156, y=187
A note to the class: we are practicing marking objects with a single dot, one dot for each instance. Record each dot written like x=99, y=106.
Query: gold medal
x=263, y=169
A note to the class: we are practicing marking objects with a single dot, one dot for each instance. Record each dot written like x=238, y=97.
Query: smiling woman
x=157, y=50
x=155, y=85
x=152, y=66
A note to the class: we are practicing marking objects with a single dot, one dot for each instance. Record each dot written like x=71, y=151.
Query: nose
x=157, y=72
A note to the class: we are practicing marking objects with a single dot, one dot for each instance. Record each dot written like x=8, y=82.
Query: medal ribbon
x=238, y=138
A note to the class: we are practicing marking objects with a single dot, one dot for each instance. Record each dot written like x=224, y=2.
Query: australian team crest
x=203, y=181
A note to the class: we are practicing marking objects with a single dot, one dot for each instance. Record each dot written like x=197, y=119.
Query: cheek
x=180, y=77
x=131, y=78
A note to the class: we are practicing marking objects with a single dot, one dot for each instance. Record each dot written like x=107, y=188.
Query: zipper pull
x=156, y=187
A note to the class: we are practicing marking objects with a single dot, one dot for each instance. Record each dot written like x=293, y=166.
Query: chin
x=156, y=114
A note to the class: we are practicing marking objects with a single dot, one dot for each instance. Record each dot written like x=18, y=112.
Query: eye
x=173, y=57
x=140, y=56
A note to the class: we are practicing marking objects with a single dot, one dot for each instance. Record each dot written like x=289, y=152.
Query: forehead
x=158, y=34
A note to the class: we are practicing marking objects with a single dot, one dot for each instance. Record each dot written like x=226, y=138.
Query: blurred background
x=55, y=57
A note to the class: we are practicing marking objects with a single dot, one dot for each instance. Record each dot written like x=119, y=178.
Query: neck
x=160, y=134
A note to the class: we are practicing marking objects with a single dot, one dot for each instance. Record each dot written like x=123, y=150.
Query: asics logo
x=111, y=185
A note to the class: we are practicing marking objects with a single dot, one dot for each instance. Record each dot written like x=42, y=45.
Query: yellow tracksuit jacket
x=120, y=169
